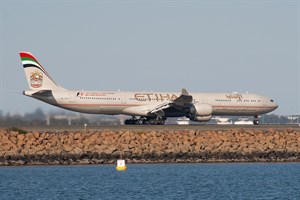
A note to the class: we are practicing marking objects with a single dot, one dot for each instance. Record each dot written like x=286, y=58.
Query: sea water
x=153, y=181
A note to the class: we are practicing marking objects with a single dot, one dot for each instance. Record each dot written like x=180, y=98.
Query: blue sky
x=204, y=46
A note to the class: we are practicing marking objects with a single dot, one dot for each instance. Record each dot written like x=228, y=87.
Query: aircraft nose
x=275, y=105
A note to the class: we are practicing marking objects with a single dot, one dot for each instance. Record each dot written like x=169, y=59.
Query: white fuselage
x=139, y=103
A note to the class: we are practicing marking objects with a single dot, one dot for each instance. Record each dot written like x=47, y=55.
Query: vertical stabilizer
x=37, y=76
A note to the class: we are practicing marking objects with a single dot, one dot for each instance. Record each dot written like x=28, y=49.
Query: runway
x=203, y=127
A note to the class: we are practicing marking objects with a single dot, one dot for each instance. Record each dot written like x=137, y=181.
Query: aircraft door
x=264, y=102
x=123, y=99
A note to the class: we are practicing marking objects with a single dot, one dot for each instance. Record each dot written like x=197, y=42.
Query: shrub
x=20, y=131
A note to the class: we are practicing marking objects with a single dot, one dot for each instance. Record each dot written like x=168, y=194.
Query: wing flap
x=179, y=103
x=160, y=107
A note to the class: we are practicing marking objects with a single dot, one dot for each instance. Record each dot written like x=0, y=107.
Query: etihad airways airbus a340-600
x=144, y=107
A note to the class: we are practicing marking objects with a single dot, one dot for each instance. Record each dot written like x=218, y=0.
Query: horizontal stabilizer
x=39, y=93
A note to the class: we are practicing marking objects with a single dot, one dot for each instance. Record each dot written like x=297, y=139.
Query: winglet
x=184, y=92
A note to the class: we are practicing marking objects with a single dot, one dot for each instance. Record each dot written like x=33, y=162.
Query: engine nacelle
x=201, y=118
x=200, y=110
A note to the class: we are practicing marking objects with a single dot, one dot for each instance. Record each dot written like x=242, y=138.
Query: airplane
x=145, y=108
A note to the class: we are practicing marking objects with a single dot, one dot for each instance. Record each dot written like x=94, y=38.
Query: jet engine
x=200, y=112
x=201, y=118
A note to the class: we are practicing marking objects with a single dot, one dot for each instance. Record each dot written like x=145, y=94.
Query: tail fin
x=37, y=76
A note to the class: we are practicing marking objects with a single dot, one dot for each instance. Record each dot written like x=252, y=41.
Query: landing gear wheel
x=145, y=121
x=139, y=121
x=161, y=122
x=256, y=122
x=131, y=121
x=153, y=121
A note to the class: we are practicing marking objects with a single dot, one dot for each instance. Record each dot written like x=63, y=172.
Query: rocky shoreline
x=165, y=146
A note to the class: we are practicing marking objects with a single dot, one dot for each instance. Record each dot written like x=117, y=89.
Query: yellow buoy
x=121, y=165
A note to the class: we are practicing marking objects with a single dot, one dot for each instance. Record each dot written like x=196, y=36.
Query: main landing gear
x=145, y=121
x=256, y=120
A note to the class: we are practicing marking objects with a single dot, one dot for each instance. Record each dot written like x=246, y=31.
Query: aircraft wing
x=161, y=107
x=178, y=103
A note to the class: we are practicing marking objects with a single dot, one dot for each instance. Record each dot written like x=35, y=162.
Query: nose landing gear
x=256, y=120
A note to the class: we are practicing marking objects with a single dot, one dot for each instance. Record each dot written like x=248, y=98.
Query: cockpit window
x=272, y=100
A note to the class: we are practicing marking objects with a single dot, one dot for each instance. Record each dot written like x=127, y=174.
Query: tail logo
x=36, y=79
